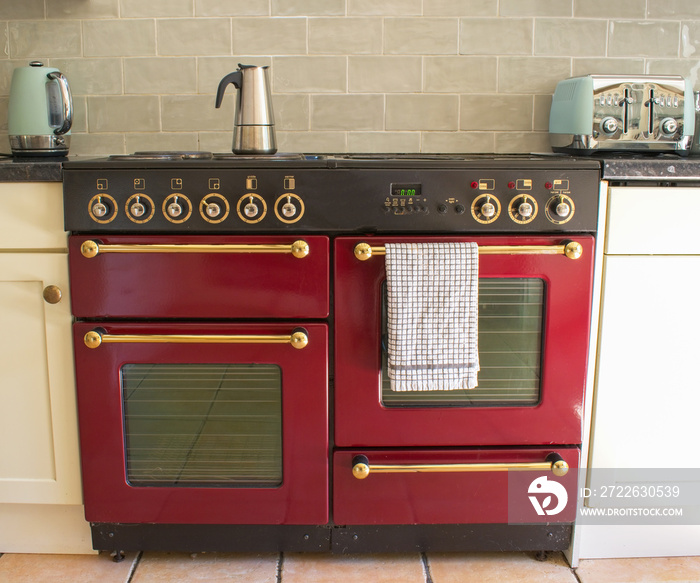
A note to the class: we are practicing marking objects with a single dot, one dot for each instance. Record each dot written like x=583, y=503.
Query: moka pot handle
x=236, y=78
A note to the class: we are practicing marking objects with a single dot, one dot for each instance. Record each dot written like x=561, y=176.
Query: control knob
x=488, y=209
x=563, y=209
x=99, y=209
x=609, y=125
x=525, y=210
x=138, y=209
x=174, y=209
x=288, y=209
x=669, y=126
x=251, y=210
x=213, y=210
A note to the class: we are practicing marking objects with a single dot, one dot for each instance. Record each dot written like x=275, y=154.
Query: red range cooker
x=231, y=318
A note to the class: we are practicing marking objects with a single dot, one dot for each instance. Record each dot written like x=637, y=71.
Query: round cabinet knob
x=609, y=125
x=669, y=126
x=525, y=210
x=52, y=294
x=563, y=210
x=138, y=209
x=213, y=210
x=174, y=209
x=488, y=209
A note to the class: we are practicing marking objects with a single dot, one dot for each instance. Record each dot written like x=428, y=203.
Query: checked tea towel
x=432, y=315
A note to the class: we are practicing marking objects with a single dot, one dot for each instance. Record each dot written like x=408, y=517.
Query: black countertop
x=47, y=169
x=656, y=167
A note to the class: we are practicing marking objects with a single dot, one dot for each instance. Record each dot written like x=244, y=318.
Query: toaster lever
x=625, y=103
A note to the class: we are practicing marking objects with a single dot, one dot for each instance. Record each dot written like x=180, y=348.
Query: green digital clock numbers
x=401, y=189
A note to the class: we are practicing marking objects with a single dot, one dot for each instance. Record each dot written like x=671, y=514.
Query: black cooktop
x=203, y=159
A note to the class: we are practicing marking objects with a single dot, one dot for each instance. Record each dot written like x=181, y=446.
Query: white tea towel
x=432, y=315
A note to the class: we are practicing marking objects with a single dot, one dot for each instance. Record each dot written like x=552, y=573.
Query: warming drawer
x=452, y=486
x=199, y=277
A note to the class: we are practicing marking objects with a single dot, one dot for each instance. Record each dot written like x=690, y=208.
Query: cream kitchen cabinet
x=647, y=387
x=40, y=493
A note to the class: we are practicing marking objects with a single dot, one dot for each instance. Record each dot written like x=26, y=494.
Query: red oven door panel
x=301, y=494
x=553, y=416
x=456, y=496
x=206, y=284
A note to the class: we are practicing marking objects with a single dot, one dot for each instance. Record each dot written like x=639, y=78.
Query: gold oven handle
x=93, y=339
x=361, y=468
x=90, y=249
x=572, y=249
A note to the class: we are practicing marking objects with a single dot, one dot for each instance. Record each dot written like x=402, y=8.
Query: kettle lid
x=36, y=64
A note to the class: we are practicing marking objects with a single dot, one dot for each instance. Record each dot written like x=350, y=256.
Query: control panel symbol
x=176, y=184
x=290, y=183
x=251, y=183
x=487, y=184
x=561, y=185
x=102, y=184
x=523, y=184
x=139, y=183
x=214, y=184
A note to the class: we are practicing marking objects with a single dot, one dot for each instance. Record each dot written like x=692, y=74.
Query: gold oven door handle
x=571, y=249
x=90, y=249
x=93, y=339
x=361, y=467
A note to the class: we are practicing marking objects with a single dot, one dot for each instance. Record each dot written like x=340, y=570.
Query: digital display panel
x=402, y=189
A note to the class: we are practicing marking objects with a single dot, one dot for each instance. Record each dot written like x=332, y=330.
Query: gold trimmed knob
x=573, y=250
x=300, y=249
x=89, y=249
x=363, y=251
x=52, y=294
x=560, y=468
x=299, y=340
x=92, y=339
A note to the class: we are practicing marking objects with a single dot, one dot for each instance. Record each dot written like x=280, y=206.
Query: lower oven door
x=203, y=423
x=455, y=486
x=533, y=332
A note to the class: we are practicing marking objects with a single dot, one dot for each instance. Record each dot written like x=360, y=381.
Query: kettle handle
x=236, y=77
x=66, y=99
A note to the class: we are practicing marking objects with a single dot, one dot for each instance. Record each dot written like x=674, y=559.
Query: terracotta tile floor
x=327, y=568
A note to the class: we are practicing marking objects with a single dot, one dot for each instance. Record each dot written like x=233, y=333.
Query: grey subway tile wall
x=347, y=75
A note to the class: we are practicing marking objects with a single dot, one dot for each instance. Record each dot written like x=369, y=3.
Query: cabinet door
x=647, y=380
x=39, y=460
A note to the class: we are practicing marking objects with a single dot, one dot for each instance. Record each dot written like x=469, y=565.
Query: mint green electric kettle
x=40, y=111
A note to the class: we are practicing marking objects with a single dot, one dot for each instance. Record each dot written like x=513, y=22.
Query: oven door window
x=511, y=318
x=203, y=425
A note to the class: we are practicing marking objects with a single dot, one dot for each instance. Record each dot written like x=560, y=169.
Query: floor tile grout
x=278, y=573
x=426, y=568
x=134, y=566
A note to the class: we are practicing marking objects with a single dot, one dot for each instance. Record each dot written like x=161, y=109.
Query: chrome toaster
x=639, y=113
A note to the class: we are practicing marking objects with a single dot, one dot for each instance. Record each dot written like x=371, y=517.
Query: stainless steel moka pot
x=40, y=111
x=254, y=128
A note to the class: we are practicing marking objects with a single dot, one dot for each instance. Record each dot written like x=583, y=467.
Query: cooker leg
x=541, y=555
x=117, y=556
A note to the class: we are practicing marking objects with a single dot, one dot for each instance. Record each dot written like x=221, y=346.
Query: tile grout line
x=426, y=568
x=278, y=572
x=135, y=564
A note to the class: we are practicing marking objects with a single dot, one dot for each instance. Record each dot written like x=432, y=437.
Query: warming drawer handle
x=93, y=339
x=361, y=468
x=572, y=250
x=90, y=249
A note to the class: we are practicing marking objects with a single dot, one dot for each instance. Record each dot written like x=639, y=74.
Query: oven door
x=534, y=313
x=203, y=423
